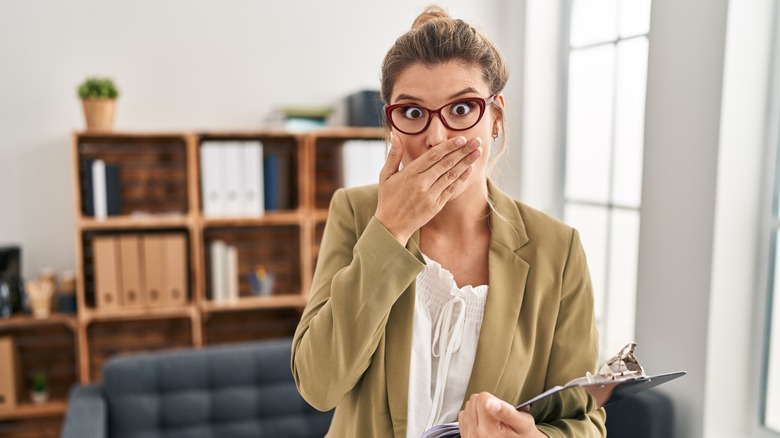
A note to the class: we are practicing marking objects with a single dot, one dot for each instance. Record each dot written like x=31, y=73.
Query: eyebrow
x=458, y=94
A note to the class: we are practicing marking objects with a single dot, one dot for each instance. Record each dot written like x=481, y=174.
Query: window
x=769, y=410
x=607, y=78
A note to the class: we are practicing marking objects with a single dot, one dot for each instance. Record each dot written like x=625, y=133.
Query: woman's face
x=433, y=87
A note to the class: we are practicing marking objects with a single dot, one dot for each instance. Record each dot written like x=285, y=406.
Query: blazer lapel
x=399, y=349
x=507, y=274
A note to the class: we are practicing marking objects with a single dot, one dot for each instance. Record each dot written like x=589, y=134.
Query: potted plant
x=98, y=96
x=39, y=390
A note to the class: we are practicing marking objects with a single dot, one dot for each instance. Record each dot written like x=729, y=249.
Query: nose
x=436, y=132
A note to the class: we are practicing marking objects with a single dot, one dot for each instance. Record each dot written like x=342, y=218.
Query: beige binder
x=105, y=262
x=10, y=376
x=133, y=290
x=153, y=257
x=176, y=269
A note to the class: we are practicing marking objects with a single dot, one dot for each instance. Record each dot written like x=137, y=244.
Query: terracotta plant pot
x=99, y=114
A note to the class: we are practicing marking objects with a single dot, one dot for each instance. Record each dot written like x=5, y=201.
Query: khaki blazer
x=352, y=347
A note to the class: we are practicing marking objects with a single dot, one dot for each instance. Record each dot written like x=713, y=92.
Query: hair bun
x=431, y=13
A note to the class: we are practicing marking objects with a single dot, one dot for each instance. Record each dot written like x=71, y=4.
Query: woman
x=436, y=297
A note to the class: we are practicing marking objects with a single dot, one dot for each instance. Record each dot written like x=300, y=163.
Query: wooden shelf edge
x=130, y=134
x=135, y=222
x=369, y=132
x=292, y=217
x=252, y=303
x=91, y=315
x=248, y=134
x=28, y=410
x=16, y=321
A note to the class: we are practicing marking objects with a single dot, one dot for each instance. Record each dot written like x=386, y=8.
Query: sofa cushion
x=220, y=391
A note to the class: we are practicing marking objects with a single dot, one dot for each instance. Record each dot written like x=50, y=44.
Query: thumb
x=392, y=161
x=505, y=413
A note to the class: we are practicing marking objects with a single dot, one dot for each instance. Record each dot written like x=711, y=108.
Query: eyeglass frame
x=483, y=104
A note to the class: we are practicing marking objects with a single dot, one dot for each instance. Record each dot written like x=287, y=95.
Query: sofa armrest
x=87, y=413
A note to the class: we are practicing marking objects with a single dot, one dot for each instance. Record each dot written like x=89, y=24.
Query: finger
x=467, y=418
x=446, y=192
x=449, y=174
x=467, y=154
x=392, y=161
x=436, y=153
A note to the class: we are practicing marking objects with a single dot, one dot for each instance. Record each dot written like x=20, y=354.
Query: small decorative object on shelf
x=41, y=292
x=67, y=297
x=262, y=281
x=98, y=96
x=6, y=308
x=39, y=390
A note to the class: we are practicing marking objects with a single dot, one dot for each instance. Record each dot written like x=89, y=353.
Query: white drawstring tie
x=447, y=337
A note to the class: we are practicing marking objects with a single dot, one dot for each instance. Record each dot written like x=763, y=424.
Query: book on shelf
x=143, y=270
x=107, y=272
x=212, y=167
x=85, y=185
x=10, y=374
x=277, y=182
x=224, y=271
x=154, y=268
x=106, y=189
x=253, y=193
x=113, y=190
x=133, y=290
x=361, y=161
x=299, y=119
x=231, y=264
x=175, y=285
x=232, y=178
x=99, y=189
x=233, y=175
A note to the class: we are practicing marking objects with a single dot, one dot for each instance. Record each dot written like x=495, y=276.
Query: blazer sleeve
x=361, y=271
x=574, y=351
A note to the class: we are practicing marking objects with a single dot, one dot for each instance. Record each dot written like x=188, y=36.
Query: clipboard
x=619, y=378
x=609, y=392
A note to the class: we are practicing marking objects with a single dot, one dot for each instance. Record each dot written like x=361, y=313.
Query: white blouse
x=447, y=322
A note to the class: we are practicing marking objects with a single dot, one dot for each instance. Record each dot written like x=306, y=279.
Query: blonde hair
x=436, y=38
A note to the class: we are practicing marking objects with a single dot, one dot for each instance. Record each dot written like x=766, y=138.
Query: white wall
x=739, y=201
x=543, y=129
x=180, y=65
x=682, y=124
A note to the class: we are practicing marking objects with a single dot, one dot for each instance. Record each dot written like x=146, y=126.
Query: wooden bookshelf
x=161, y=193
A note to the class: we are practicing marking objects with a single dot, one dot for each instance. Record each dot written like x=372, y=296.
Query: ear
x=502, y=103
x=500, y=100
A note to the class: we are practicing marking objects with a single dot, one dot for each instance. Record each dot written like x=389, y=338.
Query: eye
x=412, y=112
x=462, y=108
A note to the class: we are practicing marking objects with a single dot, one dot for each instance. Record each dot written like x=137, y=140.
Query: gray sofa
x=235, y=391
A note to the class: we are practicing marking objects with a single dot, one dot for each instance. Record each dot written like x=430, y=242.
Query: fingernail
x=493, y=405
x=460, y=141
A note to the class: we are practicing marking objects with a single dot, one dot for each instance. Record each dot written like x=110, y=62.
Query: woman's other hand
x=412, y=196
x=488, y=416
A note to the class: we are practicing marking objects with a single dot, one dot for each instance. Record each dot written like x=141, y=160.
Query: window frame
x=768, y=244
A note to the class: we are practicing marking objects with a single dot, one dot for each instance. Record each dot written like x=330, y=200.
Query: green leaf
x=98, y=88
